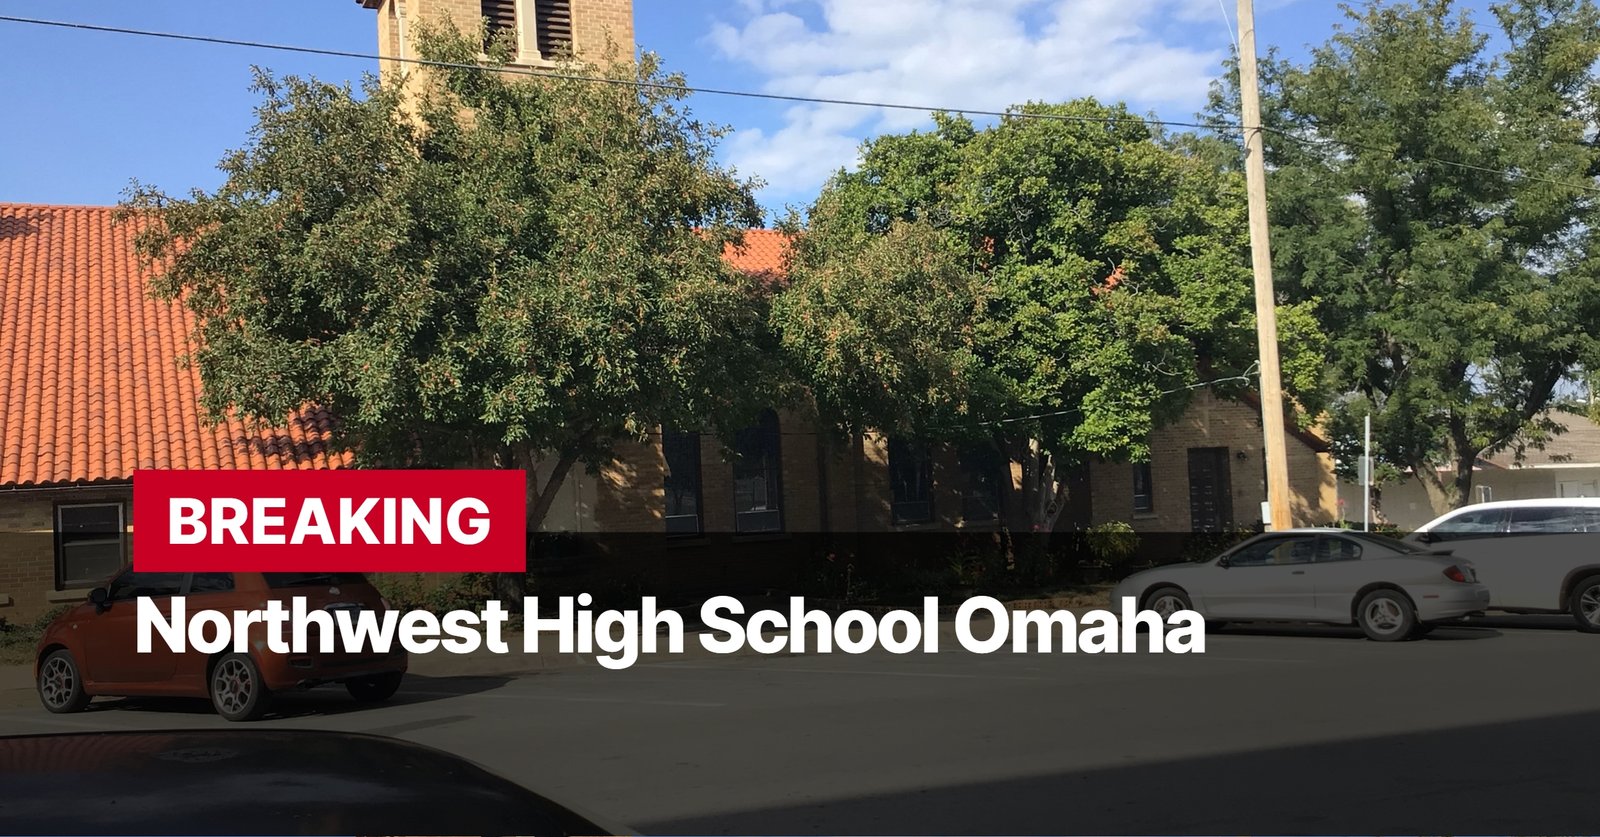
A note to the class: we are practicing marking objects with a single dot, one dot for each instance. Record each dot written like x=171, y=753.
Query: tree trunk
x=513, y=586
x=1043, y=491
x=1441, y=497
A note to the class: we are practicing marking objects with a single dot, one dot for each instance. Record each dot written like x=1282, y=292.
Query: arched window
x=758, y=477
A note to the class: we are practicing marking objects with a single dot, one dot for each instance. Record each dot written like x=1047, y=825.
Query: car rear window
x=280, y=580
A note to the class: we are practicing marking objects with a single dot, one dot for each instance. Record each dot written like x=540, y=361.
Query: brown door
x=1210, y=490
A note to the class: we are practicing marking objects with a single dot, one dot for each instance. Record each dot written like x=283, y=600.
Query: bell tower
x=544, y=30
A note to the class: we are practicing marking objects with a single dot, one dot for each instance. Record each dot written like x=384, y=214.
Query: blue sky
x=86, y=112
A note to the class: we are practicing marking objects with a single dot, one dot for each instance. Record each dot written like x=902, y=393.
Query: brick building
x=545, y=31
x=91, y=388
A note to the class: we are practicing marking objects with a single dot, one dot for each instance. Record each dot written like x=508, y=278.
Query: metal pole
x=1261, y=263
x=1366, y=477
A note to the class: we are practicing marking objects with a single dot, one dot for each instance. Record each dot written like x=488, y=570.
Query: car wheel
x=1166, y=601
x=1585, y=602
x=376, y=688
x=237, y=692
x=1386, y=616
x=61, y=683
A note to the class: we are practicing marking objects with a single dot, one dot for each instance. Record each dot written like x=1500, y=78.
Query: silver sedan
x=1394, y=590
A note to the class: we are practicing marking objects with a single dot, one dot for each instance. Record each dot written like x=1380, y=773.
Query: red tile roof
x=763, y=254
x=90, y=382
x=91, y=387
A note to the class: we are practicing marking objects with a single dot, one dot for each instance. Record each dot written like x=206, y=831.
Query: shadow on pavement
x=325, y=700
x=1525, y=777
x=1446, y=632
x=1538, y=622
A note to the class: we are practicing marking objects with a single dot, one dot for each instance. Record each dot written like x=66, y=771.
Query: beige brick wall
x=629, y=494
x=597, y=25
x=1214, y=422
x=27, y=547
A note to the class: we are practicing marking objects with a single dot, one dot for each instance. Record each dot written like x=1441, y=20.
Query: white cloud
x=976, y=54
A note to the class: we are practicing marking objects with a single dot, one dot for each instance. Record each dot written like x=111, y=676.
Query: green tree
x=1049, y=285
x=488, y=270
x=1434, y=201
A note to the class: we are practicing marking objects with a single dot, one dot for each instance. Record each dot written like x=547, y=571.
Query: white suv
x=1536, y=556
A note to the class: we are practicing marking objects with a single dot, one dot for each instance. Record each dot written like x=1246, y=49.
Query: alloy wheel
x=56, y=682
x=1165, y=606
x=232, y=684
x=1589, y=605
x=1384, y=615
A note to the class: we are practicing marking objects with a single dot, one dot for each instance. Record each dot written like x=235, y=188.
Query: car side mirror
x=98, y=597
x=1223, y=562
x=1427, y=537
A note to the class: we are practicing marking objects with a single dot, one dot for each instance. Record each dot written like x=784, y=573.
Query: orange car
x=89, y=651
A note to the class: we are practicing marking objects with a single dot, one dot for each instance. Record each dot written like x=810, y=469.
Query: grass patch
x=18, y=642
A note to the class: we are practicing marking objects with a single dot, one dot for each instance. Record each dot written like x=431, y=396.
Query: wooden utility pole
x=1261, y=261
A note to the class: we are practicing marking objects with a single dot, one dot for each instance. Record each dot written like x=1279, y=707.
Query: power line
x=676, y=88
x=1211, y=125
x=1369, y=146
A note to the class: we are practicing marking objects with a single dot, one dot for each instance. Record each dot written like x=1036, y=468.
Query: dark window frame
x=682, y=524
x=1144, y=502
x=764, y=439
x=61, y=545
x=983, y=470
x=910, y=481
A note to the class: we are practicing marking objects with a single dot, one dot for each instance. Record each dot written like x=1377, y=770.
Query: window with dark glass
x=210, y=583
x=757, y=477
x=1547, y=520
x=90, y=543
x=682, y=482
x=1144, y=498
x=982, y=469
x=132, y=585
x=1479, y=523
x=911, y=480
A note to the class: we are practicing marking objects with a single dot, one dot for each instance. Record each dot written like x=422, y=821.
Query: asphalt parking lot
x=1488, y=728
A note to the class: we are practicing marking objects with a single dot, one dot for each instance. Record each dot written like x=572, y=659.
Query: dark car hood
x=268, y=782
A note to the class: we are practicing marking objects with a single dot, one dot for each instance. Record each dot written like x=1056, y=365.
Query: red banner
x=310, y=521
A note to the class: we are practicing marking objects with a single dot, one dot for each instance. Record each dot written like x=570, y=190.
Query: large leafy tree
x=1434, y=200
x=485, y=270
x=1049, y=285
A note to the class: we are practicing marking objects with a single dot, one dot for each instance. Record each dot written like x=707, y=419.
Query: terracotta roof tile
x=90, y=384
x=91, y=387
x=764, y=253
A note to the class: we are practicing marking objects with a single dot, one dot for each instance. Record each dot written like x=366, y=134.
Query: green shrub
x=1113, y=543
x=412, y=592
x=18, y=642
